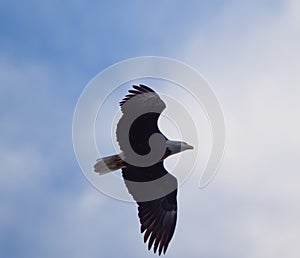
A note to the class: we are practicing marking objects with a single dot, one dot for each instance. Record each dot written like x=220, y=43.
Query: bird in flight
x=144, y=149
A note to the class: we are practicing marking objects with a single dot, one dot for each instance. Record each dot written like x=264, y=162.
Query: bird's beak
x=189, y=147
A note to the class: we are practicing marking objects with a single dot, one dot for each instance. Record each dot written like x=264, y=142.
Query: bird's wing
x=152, y=187
x=158, y=221
x=146, y=97
x=141, y=110
x=157, y=216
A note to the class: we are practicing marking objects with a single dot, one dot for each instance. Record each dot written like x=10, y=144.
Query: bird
x=144, y=148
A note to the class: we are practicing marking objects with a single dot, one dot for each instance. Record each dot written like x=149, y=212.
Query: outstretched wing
x=148, y=97
x=159, y=214
x=153, y=188
x=141, y=110
x=158, y=221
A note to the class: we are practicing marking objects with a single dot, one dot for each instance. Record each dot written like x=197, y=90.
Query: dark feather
x=157, y=217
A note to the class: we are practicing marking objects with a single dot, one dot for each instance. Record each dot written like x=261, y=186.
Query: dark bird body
x=153, y=188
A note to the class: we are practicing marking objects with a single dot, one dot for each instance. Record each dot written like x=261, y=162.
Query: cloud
x=249, y=53
x=249, y=206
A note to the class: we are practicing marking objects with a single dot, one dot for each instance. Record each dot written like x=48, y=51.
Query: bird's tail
x=108, y=164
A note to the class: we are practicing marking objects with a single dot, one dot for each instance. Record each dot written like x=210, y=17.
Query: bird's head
x=177, y=146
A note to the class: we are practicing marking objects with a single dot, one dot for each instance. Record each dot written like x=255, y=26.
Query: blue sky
x=249, y=52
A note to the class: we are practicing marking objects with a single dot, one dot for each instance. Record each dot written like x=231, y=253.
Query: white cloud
x=255, y=196
x=251, y=207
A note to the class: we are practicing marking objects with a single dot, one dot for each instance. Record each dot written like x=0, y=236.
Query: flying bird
x=144, y=149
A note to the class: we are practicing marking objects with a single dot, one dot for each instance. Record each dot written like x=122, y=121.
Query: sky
x=247, y=50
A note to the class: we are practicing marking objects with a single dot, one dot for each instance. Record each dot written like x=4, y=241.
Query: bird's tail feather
x=108, y=164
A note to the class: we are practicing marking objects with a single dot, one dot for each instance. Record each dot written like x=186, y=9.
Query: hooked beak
x=189, y=147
